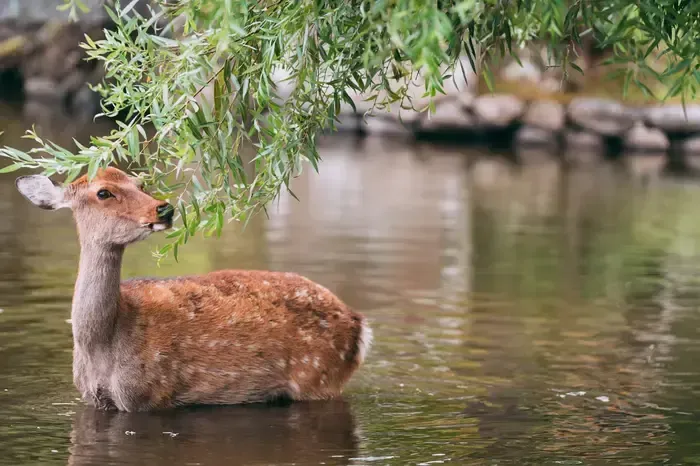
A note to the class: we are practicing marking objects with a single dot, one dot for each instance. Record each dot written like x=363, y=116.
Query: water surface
x=524, y=314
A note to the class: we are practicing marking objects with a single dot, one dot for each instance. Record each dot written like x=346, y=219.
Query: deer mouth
x=158, y=226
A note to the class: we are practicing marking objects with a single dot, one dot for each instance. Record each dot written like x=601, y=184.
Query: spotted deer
x=226, y=337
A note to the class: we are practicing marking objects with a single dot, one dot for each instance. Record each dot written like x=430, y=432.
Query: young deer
x=226, y=337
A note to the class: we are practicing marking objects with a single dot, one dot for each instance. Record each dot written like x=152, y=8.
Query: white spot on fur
x=365, y=343
x=342, y=355
x=190, y=315
x=307, y=338
x=294, y=387
x=317, y=362
x=292, y=362
x=266, y=283
x=282, y=363
x=301, y=374
x=303, y=293
x=323, y=323
x=305, y=360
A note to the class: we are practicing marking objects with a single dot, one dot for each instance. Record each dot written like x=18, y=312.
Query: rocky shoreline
x=593, y=124
x=41, y=59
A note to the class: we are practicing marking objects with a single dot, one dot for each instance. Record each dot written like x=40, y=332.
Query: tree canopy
x=188, y=148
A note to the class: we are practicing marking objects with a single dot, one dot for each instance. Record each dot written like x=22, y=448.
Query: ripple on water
x=521, y=316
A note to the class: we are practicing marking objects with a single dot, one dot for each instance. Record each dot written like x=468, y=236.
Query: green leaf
x=12, y=168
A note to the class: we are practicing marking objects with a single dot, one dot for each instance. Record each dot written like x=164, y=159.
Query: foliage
x=196, y=80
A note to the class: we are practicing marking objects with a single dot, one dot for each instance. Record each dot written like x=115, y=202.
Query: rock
x=649, y=139
x=672, y=118
x=552, y=84
x=73, y=82
x=692, y=144
x=382, y=125
x=497, y=110
x=450, y=116
x=583, y=140
x=42, y=88
x=527, y=72
x=547, y=115
x=602, y=116
x=86, y=101
x=12, y=50
x=533, y=136
x=348, y=123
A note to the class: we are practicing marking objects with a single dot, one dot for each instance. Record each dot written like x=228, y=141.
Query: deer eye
x=103, y=194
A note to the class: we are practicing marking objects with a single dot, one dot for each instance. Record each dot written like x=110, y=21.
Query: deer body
x=226, y=337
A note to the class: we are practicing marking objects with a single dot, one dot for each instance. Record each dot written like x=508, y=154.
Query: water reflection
x=527, y=311
x=303, y=433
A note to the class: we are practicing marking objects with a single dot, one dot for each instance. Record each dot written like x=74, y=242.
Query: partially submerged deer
x=226, y=337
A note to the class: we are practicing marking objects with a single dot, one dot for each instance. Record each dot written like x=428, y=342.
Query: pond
x=524, y=313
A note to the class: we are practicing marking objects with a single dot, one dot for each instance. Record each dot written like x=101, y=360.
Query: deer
x=226, y=337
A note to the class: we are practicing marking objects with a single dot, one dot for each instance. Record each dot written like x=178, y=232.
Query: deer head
x=111, y=210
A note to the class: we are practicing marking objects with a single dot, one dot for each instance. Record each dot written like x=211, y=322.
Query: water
x=524, y=314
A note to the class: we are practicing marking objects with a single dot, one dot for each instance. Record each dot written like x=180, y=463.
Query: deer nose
x=165, y=212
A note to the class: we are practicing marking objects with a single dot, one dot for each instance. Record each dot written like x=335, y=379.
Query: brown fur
x=221, y=338
x=240, y=335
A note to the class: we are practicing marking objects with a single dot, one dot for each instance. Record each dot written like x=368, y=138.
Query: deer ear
x=41, y=192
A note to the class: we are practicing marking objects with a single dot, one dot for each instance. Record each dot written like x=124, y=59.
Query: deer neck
x=96, y=297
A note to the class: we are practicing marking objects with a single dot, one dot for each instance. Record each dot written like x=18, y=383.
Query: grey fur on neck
x=96, y=297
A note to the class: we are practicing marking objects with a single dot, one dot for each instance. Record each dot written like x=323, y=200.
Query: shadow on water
x=302, y=433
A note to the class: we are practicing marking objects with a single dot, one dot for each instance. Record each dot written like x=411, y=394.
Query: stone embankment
x=585, y=123
x=41, y=60
x=40, y=56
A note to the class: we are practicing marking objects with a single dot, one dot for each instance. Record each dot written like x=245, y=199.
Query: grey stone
x=497, y=110
x=584, y=140
x=672, y=118
x=73, y=82
x=449, y=115
x=42, y=88
x=602, y=116
x=526, y=70
x=545, y=114
x=648, y=139
x=533, y=136
x=86, y=101
x=383, y=125
x=348, y=123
